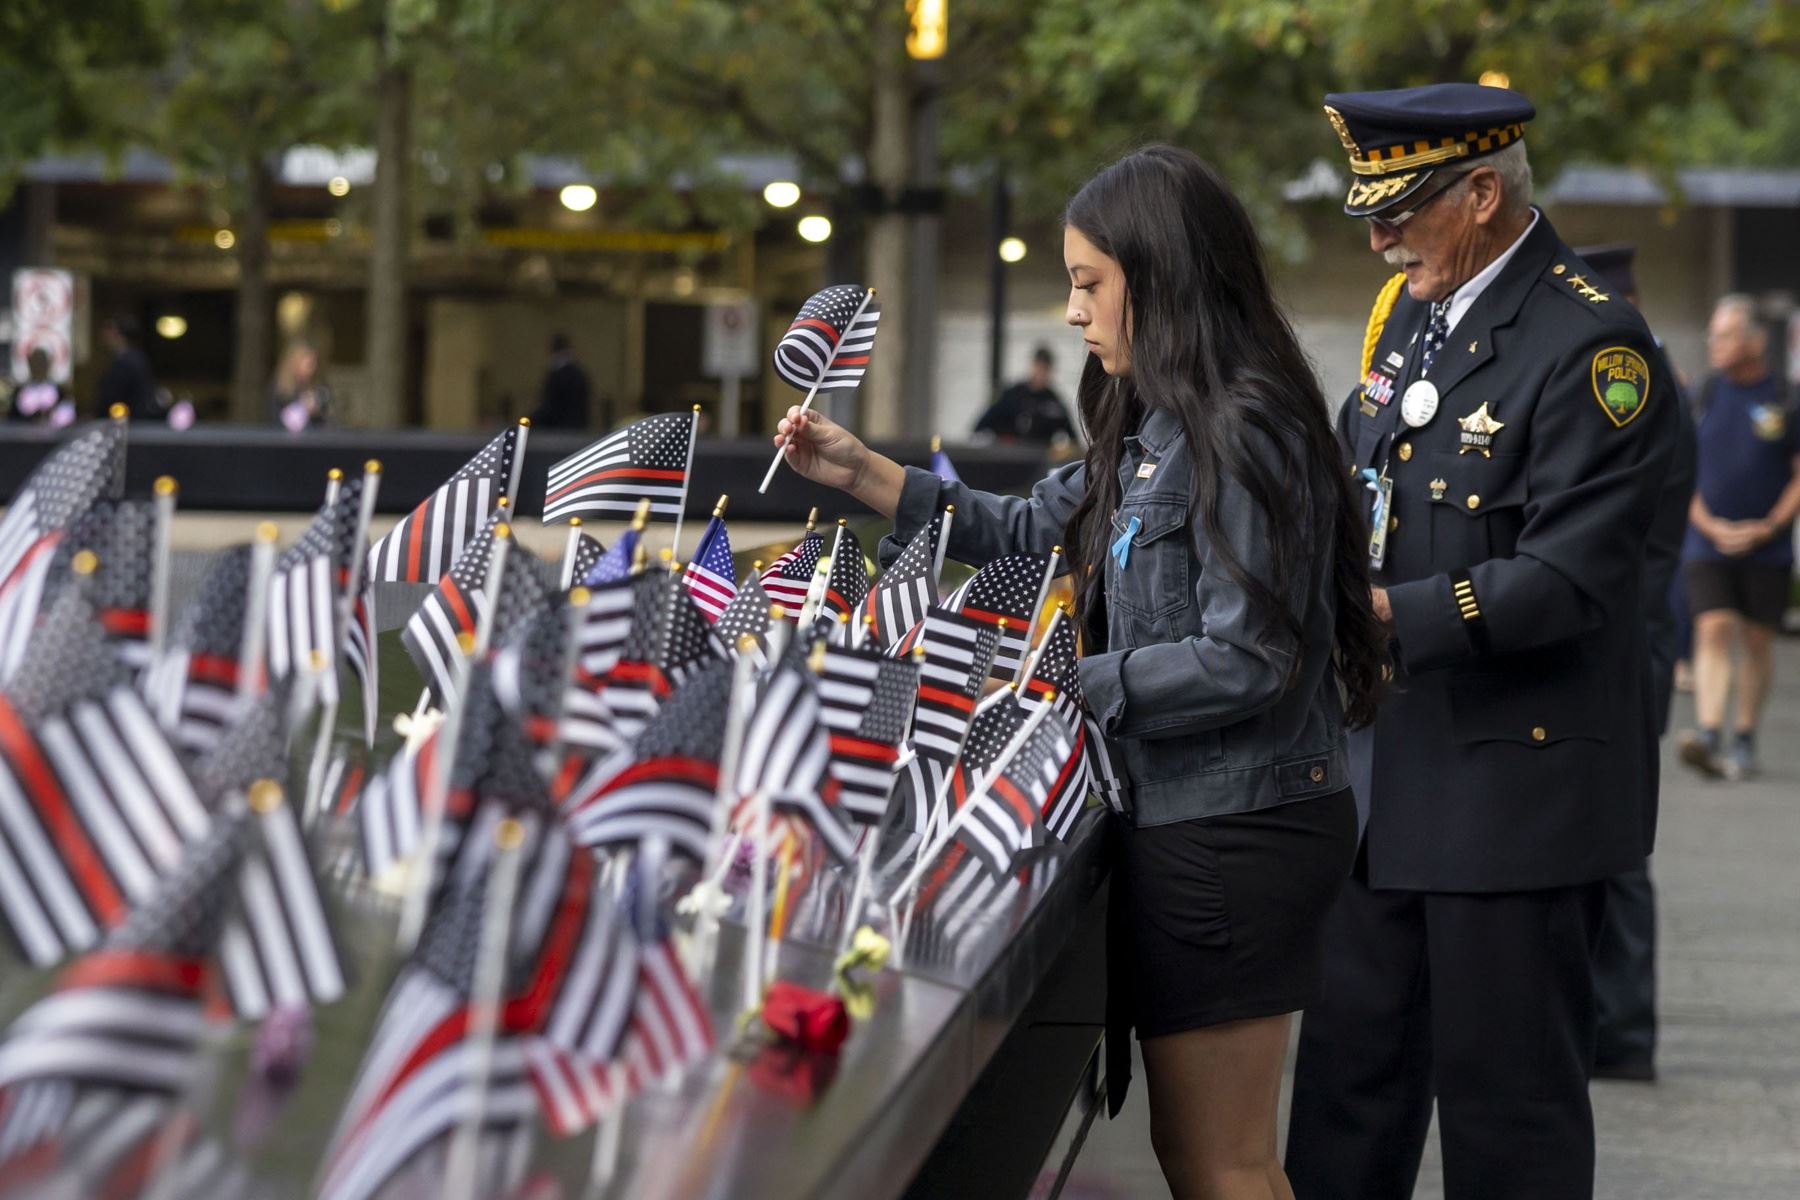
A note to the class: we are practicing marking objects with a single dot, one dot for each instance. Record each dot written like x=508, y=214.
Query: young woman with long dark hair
x=1222, y=587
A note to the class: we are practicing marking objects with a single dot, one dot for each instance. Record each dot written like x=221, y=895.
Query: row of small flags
x=585, y=736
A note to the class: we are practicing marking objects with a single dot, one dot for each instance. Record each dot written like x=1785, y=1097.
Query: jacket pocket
x=1153, y=583
x=1539, y=700
x=1477, y=505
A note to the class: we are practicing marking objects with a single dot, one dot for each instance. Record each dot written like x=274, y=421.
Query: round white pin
x=1419, y=404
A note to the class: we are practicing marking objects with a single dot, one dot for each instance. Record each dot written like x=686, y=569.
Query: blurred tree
x=49, y=50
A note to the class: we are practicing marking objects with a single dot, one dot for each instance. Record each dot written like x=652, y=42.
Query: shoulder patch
x=1621, y=383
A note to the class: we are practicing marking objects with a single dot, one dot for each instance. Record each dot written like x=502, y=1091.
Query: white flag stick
x=943, y=546
x=256, y=612
x=1028, y=671
x=359, y=546
x=755, y=910
x=686, y=476
x=518, y=462
x=484, y=621
x=315, y=772
x=570, y=549
x=462, y=1169
x=423, y=866
x=806, y=404
x=159, y=568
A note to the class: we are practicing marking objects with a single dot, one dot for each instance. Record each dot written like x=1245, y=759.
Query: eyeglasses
x=1391, y=225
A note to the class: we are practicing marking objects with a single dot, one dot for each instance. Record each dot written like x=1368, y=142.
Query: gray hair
x=1514, y=170
x=1745, y=306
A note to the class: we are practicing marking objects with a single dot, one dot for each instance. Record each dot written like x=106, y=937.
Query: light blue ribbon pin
x=1121, y=549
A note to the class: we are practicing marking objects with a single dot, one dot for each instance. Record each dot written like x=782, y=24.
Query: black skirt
x=1219, y=919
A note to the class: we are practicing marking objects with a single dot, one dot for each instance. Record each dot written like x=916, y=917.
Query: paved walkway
x=1724, y=1120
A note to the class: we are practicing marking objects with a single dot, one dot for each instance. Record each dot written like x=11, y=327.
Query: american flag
x=918, y=782
x=588, y=553
x=495, y=760
x=390, y=814
x=867, y=705
x=1002, y=820
x=829, y=342
x=128, y=1016
x=666, y=783
x=193, y=690
x=1006, y=589
x=424, y=544
x=606, y=623
x=906, y=589
x=121, y=534
x=748, y=613
x=847, y=587
x=787, y=755
x=459, y=601
x=708, y=577
x=626, y=1015
x=94, y=804
x=789, y=577
x=62, y=489
x=647, y=459
x=997, y=720
x=279, y=948
x=306, y=592
x=423, y=1069
x=1056, y=672
x=958, y=653
x=668, y=639
x=531, y=669
x=616, y=563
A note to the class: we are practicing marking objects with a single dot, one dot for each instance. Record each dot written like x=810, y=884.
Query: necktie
x=1436, y=330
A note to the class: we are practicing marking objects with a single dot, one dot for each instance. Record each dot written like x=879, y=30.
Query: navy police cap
x=1398, y=139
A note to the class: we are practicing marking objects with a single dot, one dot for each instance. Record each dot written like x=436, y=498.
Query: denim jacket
x=1189, y=685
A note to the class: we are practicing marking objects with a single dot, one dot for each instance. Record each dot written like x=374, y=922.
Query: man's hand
x=1384, y=612
x=1738, y=538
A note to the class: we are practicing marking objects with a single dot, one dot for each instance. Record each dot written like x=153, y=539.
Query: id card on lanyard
x=1383, y=489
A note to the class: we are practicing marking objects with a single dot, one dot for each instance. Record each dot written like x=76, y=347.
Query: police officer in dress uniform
x=1512, y=432
x=1625, y=957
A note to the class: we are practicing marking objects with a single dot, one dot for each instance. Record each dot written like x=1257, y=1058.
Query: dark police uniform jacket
x=1512, y=751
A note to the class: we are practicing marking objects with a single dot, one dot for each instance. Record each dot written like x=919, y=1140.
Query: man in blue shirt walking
x=1739, y=552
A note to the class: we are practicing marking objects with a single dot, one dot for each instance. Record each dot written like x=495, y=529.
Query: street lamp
x=1012, y=249
x=782, y=193
x=929, y=34
x=815, y=228
x=579, y=197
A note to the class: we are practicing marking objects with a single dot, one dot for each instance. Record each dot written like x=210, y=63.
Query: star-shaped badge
x=1478, y=430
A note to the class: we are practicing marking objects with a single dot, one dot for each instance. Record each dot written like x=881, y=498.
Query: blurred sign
x=43, y=319
x=729, y=349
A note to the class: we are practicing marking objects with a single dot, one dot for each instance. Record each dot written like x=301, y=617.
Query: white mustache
x=1399, y=256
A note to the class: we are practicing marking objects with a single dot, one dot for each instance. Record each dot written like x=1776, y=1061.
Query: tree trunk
x=255, y=310
x=883, y=391
x=383, y=404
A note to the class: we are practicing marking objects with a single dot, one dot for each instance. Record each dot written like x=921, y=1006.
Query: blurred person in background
x=1029, y=411
x=299, y=399
x=563, y=400
x=40, y=399
x=1739, y=553
x=128, y=380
